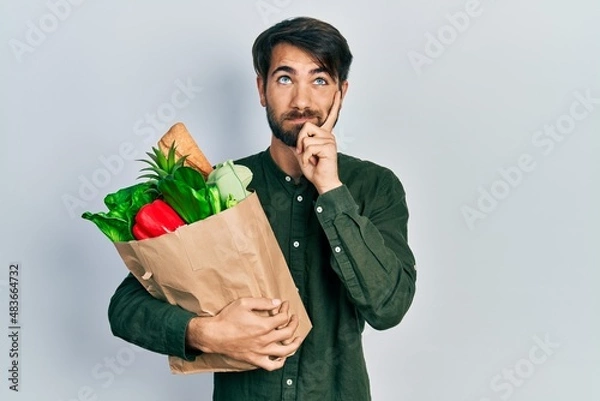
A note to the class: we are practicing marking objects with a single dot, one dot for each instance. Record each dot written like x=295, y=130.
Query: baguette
x=185, y=145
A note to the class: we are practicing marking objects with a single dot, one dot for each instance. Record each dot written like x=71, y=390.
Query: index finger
x=333, y=113
x=259, y=304
x=284, y=309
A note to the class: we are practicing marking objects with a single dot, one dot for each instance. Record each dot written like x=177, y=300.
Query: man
x=341, y=224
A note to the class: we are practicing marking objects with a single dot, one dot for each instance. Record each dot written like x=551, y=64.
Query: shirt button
x=319, y=209
x=337, y=249
x=289, y=382
x=296, y=244
x=288, y=178
x=300, y=198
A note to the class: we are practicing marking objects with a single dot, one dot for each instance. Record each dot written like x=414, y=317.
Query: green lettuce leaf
x=122, y=205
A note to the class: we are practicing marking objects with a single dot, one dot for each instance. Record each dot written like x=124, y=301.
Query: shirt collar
x=284, y=179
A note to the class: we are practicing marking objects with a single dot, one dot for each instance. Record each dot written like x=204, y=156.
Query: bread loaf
x=185, y=145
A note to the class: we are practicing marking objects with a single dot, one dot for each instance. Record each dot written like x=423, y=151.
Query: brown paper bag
x=204, y=266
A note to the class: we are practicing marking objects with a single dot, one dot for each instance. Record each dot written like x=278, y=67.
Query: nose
x=301, y=97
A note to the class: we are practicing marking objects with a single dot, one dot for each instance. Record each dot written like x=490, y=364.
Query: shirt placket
x=296, y=263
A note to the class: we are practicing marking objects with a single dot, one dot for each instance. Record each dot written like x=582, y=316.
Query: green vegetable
x=182, y=188
x=231, y=179
x=122, y=205
x=230, y=202
x=215, y=198
x=185, y=191
x=114, y=228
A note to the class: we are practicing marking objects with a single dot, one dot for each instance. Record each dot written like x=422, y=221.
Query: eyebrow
x=292, y=71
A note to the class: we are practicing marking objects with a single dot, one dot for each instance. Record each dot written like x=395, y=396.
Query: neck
x=285, y=158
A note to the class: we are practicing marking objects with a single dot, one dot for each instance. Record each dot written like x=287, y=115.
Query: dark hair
x=320, y=39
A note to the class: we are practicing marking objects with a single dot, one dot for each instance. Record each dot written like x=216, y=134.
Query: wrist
x=196, y=335
x=328, y=187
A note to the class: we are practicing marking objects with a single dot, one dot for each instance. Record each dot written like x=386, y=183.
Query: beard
x=290, y=136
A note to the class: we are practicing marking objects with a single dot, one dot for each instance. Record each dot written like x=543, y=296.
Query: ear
x=344, y=89
x=260, y=85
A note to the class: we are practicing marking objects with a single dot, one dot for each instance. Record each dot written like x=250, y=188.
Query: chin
x=286, y=140
x=288, y=137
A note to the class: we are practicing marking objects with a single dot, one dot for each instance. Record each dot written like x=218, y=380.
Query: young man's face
x=296, y=90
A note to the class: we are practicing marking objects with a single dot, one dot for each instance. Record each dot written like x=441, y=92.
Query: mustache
x=294, y=114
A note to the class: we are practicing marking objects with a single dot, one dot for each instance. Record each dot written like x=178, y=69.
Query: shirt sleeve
x=370, y=253
x=139, y=318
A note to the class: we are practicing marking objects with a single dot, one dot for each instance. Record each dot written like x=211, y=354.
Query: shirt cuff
x=176, y=330
x=333, y=203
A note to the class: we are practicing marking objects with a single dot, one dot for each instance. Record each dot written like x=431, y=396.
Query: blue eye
x=284, y=79
x=320, y=81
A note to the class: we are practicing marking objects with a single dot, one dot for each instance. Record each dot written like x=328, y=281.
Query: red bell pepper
x=154, y=219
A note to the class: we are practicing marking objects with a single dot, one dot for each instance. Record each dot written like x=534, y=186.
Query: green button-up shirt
x=348, y=255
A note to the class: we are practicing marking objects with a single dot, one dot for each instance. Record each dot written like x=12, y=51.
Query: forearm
x=371, y=255
x=139, y=318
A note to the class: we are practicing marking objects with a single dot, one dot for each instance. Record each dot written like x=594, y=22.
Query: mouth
x=300, y=120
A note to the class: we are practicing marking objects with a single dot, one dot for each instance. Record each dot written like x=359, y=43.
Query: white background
x=488, y=291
